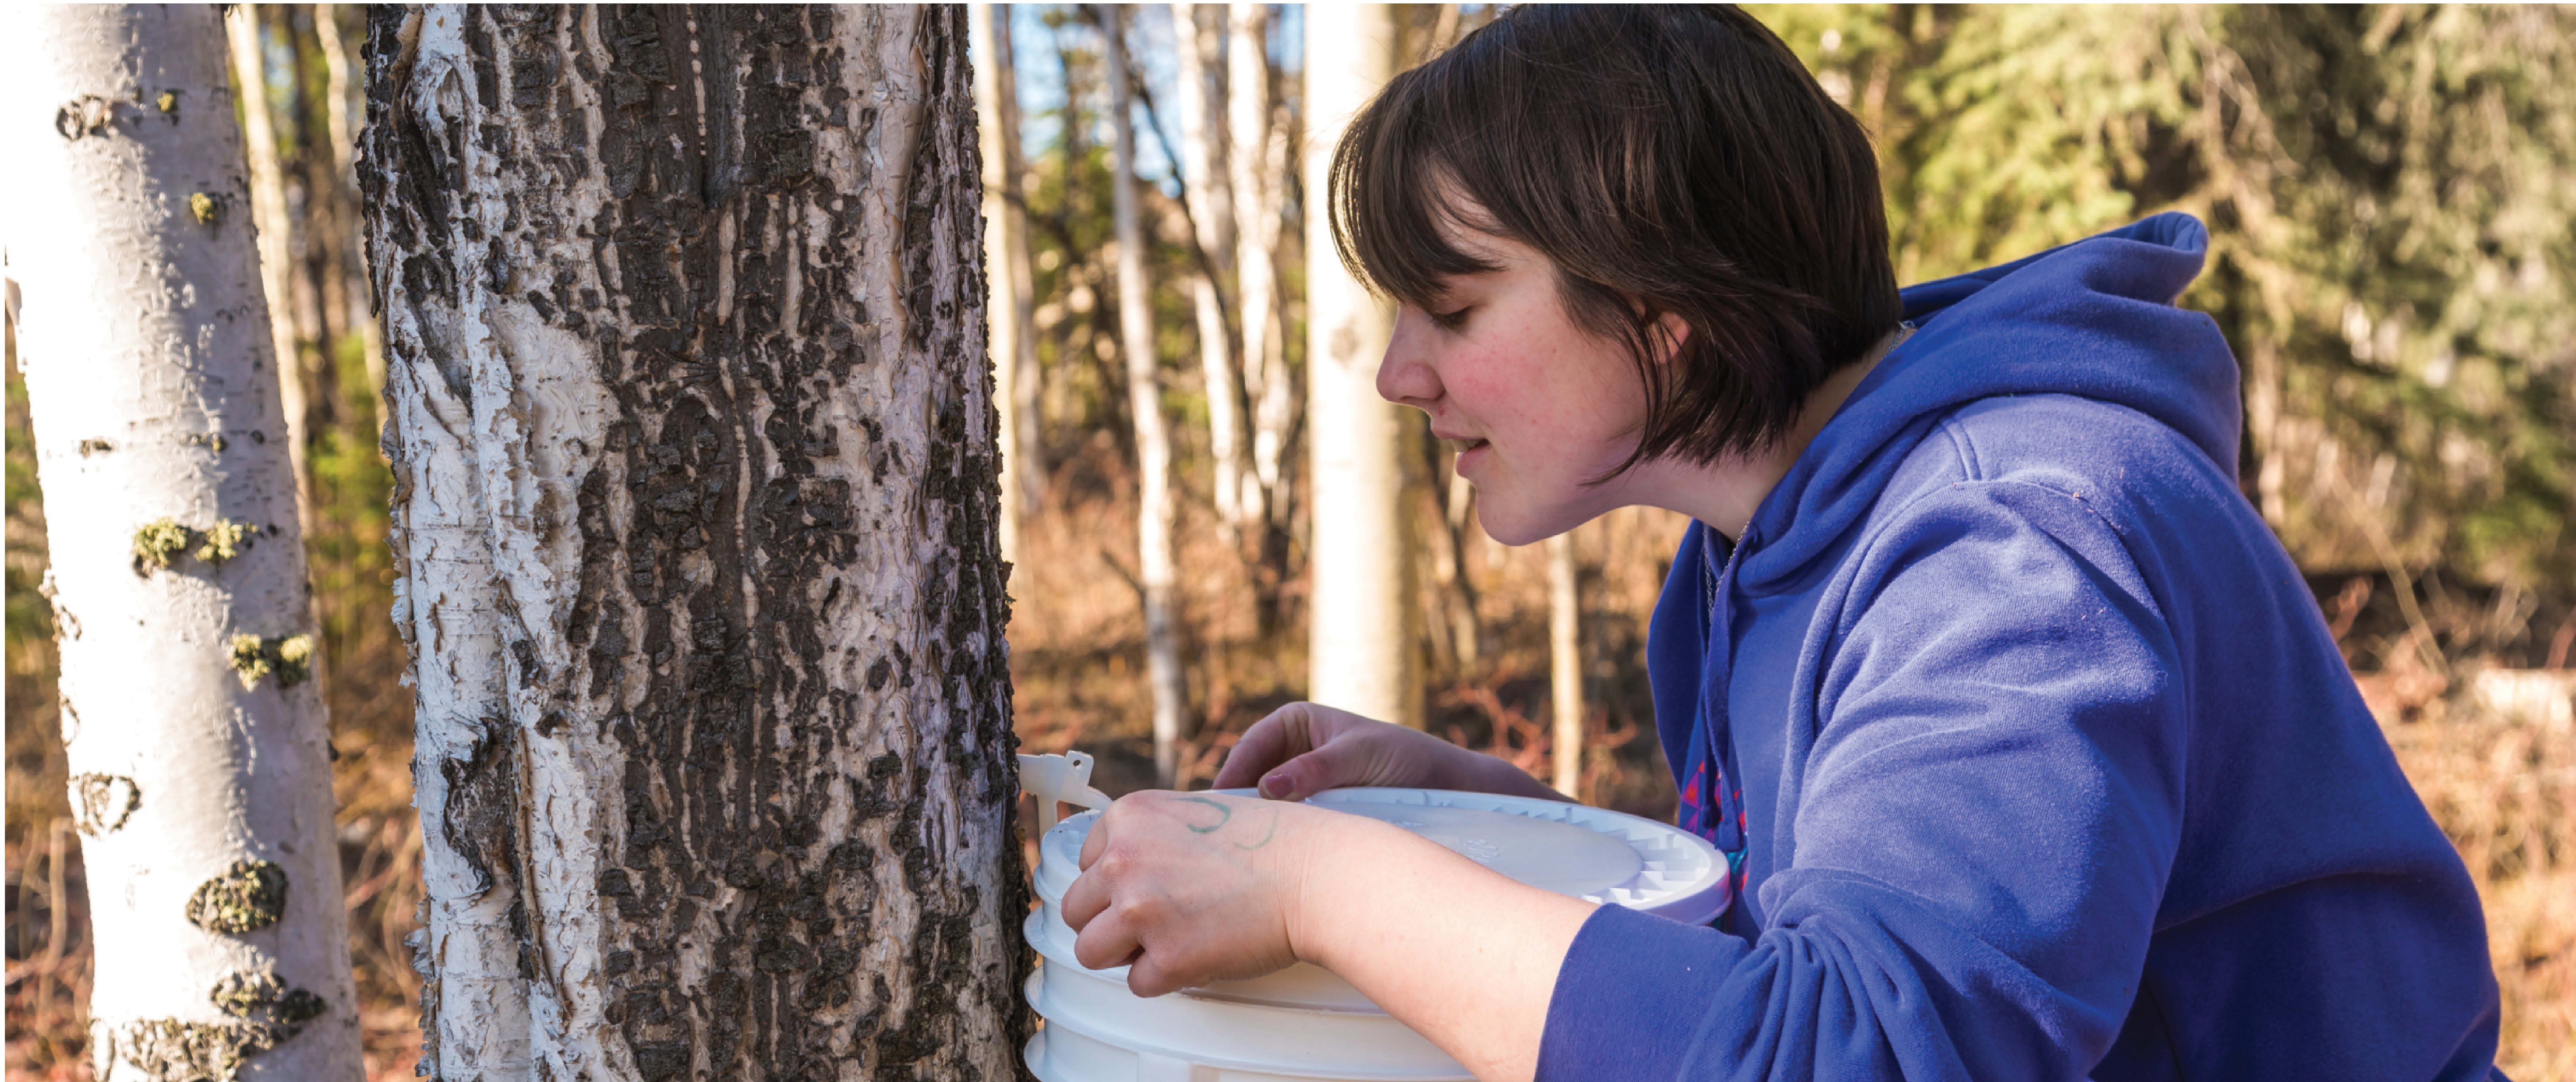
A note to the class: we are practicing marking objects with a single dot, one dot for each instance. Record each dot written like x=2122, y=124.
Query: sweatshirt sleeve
x=1985, y=819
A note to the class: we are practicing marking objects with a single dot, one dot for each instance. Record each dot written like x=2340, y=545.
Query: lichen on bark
x=258, y=996
x=224, y=540
x=289, y=657
x=265, y=1012
x=247, y=896
x=158, y=542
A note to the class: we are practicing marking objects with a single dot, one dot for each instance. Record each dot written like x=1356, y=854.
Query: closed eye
x=1452, y=320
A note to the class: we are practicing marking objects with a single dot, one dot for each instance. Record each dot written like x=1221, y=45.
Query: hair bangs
x=1395, y=200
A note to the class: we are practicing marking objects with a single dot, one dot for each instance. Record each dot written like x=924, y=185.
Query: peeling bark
x=204, y=801
x=694, y=508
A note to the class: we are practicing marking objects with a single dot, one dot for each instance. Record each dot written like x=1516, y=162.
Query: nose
x=1405, y=376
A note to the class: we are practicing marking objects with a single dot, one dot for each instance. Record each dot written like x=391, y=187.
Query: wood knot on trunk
x=103, y=802
x=248, y=896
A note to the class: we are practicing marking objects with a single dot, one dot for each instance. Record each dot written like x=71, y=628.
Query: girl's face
x=1537, y=405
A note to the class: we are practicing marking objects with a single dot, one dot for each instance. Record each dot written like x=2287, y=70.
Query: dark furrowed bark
x=798, y=742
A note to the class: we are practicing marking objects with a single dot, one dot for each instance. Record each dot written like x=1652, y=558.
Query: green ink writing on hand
x=1224, y=814
x=1265, y=839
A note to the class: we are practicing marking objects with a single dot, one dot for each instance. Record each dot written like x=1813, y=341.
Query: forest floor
x=2484, y=735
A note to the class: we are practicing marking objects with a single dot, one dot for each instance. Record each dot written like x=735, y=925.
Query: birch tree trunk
x=1145, y=401
x=1565, y=663
x=344, y=146
x=1011, y=310
x=1257, y=164
x=198, y=749
x=1203, y=170
x=1363, y=654
x=694, y=507
x=276, y=233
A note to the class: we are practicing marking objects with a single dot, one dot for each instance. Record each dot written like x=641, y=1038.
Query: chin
x=1514, y=528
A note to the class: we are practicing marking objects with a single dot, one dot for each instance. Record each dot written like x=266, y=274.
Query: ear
x=1675, y=332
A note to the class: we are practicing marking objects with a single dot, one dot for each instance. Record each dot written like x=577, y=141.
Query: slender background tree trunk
x=695, y=514
x=344, y=144
x=276, y=233
x=1364, y=655
x=1006, y=268
x=1257, y=162
x=198, y=749
x=1198, y=33
x=1565, y=663
x=1145, y=402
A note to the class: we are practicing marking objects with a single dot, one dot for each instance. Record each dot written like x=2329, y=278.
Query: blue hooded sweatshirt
x=2049, y=767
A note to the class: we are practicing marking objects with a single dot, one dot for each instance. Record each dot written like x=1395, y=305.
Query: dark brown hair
x=1666, y=159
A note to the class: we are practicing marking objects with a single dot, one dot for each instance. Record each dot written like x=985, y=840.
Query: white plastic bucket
x=1303, y=1022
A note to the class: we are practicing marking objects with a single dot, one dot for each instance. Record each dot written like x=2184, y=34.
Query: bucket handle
x=1062, y=778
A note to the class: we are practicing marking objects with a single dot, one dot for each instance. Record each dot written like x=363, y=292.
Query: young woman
x=2032, y=753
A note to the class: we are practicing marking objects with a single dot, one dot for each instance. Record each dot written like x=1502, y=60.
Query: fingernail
x=1276, y=786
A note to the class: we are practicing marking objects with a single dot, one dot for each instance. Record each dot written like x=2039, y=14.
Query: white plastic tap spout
x=1057, y=779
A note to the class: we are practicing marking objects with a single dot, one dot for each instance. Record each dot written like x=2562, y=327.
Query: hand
x=1188, y=888
x=1302, y=749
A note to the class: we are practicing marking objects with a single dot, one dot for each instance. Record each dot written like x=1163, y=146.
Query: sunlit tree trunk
x=694, y=508
x=200, y=768
x=1467, y=625
x=1006, y=268
x=268, y=211
x=1199, y=33
x=344, y=144
x=1257, y=164
x=1145, y=401
x=1565, y=663
x=1360, y=617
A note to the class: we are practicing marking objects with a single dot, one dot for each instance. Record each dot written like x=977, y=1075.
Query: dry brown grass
x=2500, y=776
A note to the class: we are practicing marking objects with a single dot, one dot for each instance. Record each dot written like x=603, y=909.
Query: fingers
x=1331, y=766
x=1271, y=741
x=1084, y=900
x=1107, y=942
x=1095, y=841
x=1147, y=977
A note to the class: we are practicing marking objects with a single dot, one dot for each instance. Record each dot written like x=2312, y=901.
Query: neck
x=1725, y=493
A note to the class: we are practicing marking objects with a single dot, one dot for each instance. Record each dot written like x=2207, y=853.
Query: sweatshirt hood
x=2094, y=319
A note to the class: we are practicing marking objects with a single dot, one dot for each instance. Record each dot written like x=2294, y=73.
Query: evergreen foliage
x=2393, y=231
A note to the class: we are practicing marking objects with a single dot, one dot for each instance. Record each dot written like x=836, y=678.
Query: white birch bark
x=1145, y=401
x=268, y=211
x=694, y=464
x=1363, y=654
x=1006, y=265
x=1257, y=166
x=1565, y=663
x=1198, y=33
x=200, y=772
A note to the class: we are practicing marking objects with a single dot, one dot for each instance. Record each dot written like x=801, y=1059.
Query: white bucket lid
x=1594, y=854
x=1303, y=1022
